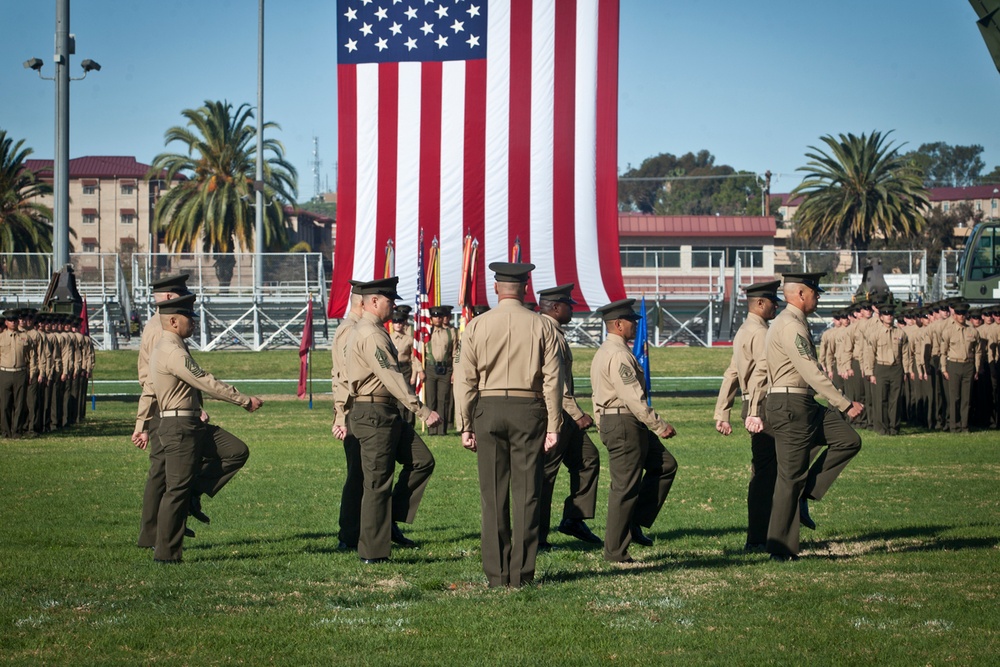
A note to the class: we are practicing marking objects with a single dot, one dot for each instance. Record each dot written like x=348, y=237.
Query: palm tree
x=863, y=190
x=25, y=224
x=214, y=206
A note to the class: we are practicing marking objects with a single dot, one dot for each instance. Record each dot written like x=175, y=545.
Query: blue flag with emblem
x=640, y=348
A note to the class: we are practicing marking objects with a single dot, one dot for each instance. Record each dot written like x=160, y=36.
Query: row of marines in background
x=934, y=366
x=45, y=364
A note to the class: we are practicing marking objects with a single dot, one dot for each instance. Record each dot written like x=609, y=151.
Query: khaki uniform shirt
x=54, y=344
x=36, y=358
x=827, y=349
x=508, y=347
x=843, y=349
x=151, y=334
x=338, y=371
x=89, y=355
x=959, y=342
x=372, y=366
x=890, y=347
x=441, y=348
x=15, y=349
x=68, y=354
x=404, y=345
x=920, y=349
x=747, y=370
x=79, y=353
x=934, y=333
x=791, y=358
x=178, y=382
x=618, y=382
x=569, y=404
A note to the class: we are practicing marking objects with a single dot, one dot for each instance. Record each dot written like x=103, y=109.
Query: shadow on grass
x=915, y=539
x=678, y=533
x=93, y=428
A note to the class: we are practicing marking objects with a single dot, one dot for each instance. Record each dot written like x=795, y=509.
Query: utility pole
x=258, y=260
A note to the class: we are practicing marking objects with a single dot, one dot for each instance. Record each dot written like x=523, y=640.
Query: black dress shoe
x=195, y=509
x=626, y=561
x=578, y=529
x=753, y=547
x=398, y=538
x=639, y=538
x=159, y=561
x=344, y=546
x=544, y=546
x=373, y=561
x=784, y=558
x=188, y=532
x=804, y=517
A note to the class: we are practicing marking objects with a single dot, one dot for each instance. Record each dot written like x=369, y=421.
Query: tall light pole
x=258, y=240
x=65, y=47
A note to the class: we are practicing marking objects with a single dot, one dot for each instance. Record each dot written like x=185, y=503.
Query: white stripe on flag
x=367, y=172
x=494, y=246
x=587, y=259
x=407, y=181
x=542, y=143
x=452, y=178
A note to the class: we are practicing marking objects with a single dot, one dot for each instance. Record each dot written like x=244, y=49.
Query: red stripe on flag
x=388, y=156
x=607, y=147
x=347, y=209
x=430, y=153
x=474, y=196
x=519, y=173
x=564, y=156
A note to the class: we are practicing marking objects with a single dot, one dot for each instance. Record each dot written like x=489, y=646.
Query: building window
x=749, y=257
x=90, y=189
x=707, y=257
x=128, y=218
x=945, y=207
x=650, y=257
x=89, y=218
x=90, y=247
x=993, y=204
x=128, y=189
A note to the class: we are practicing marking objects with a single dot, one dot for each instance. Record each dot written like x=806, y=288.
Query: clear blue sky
x=755, y=82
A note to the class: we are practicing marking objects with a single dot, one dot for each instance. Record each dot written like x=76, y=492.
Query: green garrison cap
x=182, y=305
x=399, y=316
x=618, y=310
x=512, y=272
x=177, y=284
x=10, y=314
x=441, y=311
x=887, y=309
x=403, y=308
x=768, y=290
x=384, y=286
x=961, y=308
x=560, y=294
x=808, y=279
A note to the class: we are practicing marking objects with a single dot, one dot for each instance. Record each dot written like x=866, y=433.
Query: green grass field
x=902, y=570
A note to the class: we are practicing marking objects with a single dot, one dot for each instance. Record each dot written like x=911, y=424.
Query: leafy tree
x=214, y=205
x=946, y=166
x=862, y=191
x=25, y=224
x=992, y=177
x=688, y=185
x=328, y=209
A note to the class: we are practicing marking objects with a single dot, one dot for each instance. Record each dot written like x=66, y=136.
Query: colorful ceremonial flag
x=421, y=318
x=304, y=347
x=85, y=324
x=495, y=118
x=640, y=348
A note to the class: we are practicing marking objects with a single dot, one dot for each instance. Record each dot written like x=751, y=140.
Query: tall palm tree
x=863, y=189
x=25, y=224
x=214, y=206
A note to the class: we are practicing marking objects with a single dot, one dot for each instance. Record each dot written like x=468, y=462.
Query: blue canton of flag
x=384, y=31
x=640, y=348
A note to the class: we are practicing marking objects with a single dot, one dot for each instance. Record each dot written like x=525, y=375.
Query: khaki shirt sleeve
x=868, y=361
x=383, y=365
x=465, y=382
x=944, y=342
x=803, y=358
x=552, y=380
x=727, y=393
x=341, y=391
x=907, y=356
x=33, y=358
x=625, y=378
x=183, y=366
x=757, y=382
x=67, y=356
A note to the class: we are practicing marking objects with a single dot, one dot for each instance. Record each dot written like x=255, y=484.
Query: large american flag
x=492, y=118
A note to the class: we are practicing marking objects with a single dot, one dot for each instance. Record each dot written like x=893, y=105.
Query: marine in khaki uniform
x=575, y=450
x=349, y=518
x=801, y=425
x=747, y=374
x=991, y=331
x=939, y=408
x=15, y=351
x=439, y=353
x=920, y=350
x=198, y=457
x=641, y=468
x=38, y=372
x=376, y=385
x=862, y=391
x=843, y=354
x=89, y=359
x=959, y=360
x=148, y=413
x=508, y=408
x=982, y=393
x=886, y=364
x=402, y=337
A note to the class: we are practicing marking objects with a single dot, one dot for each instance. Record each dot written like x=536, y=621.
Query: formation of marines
x=933, y=367
x=45, y=366
x=509, y=378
